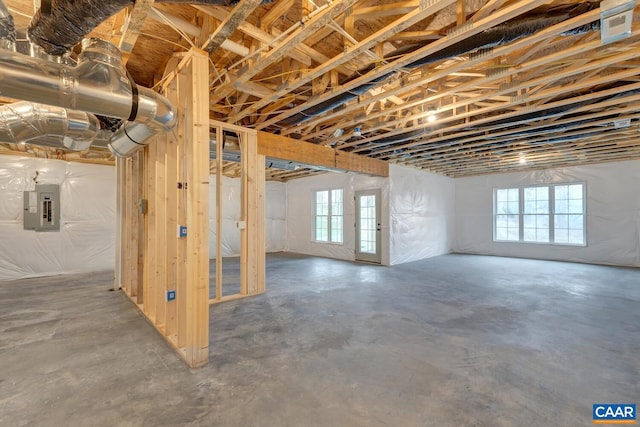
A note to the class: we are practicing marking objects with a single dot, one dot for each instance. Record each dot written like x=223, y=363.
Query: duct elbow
x=155, y=114
x=155, y=109
x=29, y=122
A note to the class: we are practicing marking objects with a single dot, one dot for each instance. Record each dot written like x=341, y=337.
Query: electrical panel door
x=42, y=208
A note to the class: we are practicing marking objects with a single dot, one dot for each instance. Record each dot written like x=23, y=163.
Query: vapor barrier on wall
x=422, y=213
x=275, y=216
x=300, y=205
x=85, y=241
x=612, y=214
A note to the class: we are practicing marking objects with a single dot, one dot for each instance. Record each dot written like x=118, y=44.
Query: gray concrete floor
x=449, y=341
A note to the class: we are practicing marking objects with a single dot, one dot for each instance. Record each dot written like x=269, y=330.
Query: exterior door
x=368, y=226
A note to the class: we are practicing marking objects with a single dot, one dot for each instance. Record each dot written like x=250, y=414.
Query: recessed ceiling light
x=523, y=159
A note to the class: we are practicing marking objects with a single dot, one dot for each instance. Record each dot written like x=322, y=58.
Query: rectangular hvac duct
x=616, y=17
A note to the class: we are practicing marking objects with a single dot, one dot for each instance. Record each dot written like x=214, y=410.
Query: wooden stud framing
x=162, y=188
x=252, y=244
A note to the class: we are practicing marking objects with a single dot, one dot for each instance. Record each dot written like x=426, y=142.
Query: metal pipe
x=98, y=84
x=28, y=122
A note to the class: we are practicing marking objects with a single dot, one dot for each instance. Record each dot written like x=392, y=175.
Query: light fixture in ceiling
x=431, y=115
x=523, y=159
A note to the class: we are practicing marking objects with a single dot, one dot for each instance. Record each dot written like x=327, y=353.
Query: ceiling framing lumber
x=313, y=71
x=351, y=53
x=133, y=26
x=239, y=13
x=286, y=45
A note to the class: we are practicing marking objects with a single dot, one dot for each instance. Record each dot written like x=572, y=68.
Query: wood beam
x=230, y=24
x=281, y=147
x=383, y=10
x=133, y=26
x=256, y=33
x=279, y=9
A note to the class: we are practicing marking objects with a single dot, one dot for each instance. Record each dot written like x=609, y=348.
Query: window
x=568, y=220
x=536, y=214
x=328, y=216
x=507, y=218
x=540, y=214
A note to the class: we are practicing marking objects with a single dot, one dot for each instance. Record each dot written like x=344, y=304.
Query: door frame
x=363, y=256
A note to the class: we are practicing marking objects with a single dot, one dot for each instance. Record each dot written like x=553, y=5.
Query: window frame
x=551, y=215
x=314, y=216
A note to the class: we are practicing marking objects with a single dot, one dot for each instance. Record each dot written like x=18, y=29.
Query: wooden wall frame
x=251, y=224
x=159, y=189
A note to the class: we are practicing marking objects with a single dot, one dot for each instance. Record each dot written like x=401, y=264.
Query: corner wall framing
x=159, y=189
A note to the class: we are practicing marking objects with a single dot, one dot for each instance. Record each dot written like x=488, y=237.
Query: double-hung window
x=328, y=216
x=540, y=214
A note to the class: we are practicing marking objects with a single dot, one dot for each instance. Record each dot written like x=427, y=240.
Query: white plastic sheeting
x=300, y=207
x=275, y=216
x=422, y=214
x=85, y=241
x=613, y=214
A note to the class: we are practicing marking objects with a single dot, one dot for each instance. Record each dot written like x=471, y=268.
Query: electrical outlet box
x=171, y=295
x=42, y=208
x=241, y=225
x=182, y=231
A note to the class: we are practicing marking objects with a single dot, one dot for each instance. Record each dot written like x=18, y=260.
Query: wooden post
x=196, y=138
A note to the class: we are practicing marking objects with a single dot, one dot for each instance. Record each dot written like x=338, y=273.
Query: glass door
x=368, y=226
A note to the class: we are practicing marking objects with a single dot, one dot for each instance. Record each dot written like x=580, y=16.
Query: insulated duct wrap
x=7, y=29
x=69, y=21
x=26, y=122
x=502, y=34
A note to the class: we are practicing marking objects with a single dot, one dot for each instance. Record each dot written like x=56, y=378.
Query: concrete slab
x=455, y=340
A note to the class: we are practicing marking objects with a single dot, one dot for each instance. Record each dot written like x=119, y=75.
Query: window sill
x=574, y=245
x=327, y=243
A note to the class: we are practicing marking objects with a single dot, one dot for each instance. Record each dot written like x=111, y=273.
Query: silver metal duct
x=98, y=84
x=27, y=122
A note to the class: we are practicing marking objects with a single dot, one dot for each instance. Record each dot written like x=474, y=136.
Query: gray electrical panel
x=42, y=208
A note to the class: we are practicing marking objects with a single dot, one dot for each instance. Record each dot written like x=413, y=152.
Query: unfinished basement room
x=315, y=213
